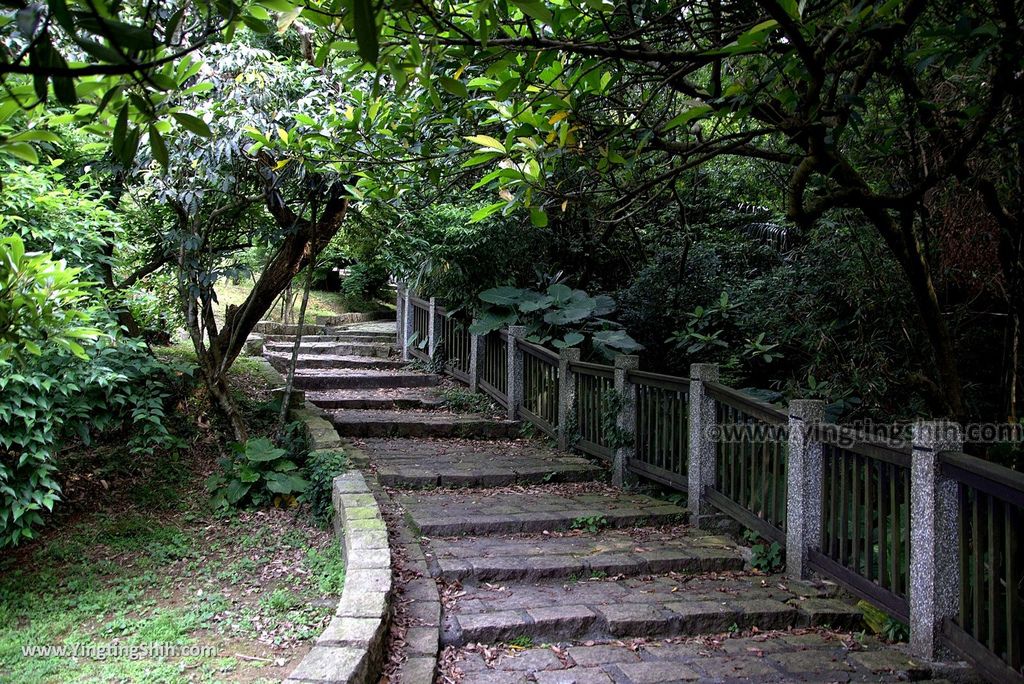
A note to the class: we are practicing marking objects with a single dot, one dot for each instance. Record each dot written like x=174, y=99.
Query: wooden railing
x=594, y=397
x=539, y=403
x=494, y=369
x=455, y=345
x=662, y=427
x=990, y=627
x=420, y=328
x=866, y=517
x=751, y=461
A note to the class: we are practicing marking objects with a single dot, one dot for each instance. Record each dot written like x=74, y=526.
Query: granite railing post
x=401, y=293
x=566, y=395
x=625, y=419
x=432, y=329
x=514, y=388
x=934, y=544
x=476, y=360
x=803, y=478
x=700, y=471
x=407, y=333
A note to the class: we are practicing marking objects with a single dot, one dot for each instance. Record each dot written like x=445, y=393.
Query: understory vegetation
x=137, y=554
x=824, y=199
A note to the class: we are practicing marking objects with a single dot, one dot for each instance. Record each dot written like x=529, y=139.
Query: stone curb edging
x=351, y=649
x=321, y=432
x=416, y=599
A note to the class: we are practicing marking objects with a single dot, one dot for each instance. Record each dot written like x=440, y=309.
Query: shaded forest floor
x=136, y=556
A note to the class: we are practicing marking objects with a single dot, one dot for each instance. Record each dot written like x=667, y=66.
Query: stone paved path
x=549, y=575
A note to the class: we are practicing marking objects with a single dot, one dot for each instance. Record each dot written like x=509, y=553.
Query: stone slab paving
x=281, y=361
x=776, y=656
x=385, y=423
x=341, y=378
x=534, y=509
x=380, y=398
x=413, y=463
x=667, y=605
x=582, y=555
x=340, y=348
x=369, y=326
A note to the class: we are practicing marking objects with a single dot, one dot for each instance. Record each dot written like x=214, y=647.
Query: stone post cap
x=629, y=361
x=937, y=435
x=517, y=331
x=707, y=372
x=811, y=410
x=569, y=353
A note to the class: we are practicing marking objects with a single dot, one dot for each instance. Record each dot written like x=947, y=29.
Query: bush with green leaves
x=322, y=467
x=256, y=474
x=560, y=316
x=42, y=310
x=365, y=282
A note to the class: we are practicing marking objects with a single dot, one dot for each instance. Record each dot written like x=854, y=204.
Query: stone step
x=361, y=338
x=355, y=319
x=365, y=335
x=656, y=607
x=329, y=361
x=330, y=348
x=382, y=399
x=537, y=509
x=802, y=655
x=535, y=558
x=361, y=379
x=411, y=463
x=272, y=328
x=372, y=423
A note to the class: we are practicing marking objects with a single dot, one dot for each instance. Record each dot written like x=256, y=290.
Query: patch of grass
x=280, y=601
x=320, y=303
x=459, y=400
x=521, y=641
x=590, y=523
x=327, y=569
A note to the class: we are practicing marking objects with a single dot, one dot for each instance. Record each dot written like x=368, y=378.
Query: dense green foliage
x=256, y=473
x=323, y=466
x=824, y=199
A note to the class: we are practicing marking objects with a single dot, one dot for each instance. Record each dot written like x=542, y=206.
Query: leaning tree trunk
x=289, y=383
x=305, y=240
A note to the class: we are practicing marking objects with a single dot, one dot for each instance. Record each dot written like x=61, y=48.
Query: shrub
x=256, y=473
x=323, y=467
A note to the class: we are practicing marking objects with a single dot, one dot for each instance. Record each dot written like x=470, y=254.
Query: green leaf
x=158, y=147
x=481, y=158
x=535, y=9
x=193, y=124
x=686, y=117
x=454, y=86
x=236, y=491
x=484, y=212
x=21, y=150
x=504, y=295
x=366, y=30
x=486, y=141
x=790, y=7
x=538, y=217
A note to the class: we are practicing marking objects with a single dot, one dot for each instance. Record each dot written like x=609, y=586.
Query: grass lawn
x=320, y=303
x=137, y=557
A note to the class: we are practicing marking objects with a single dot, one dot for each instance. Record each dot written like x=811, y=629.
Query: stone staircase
x=548, y=574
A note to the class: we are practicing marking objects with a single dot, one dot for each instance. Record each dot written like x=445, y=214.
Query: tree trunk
x=290, y=378
x=915, y=267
